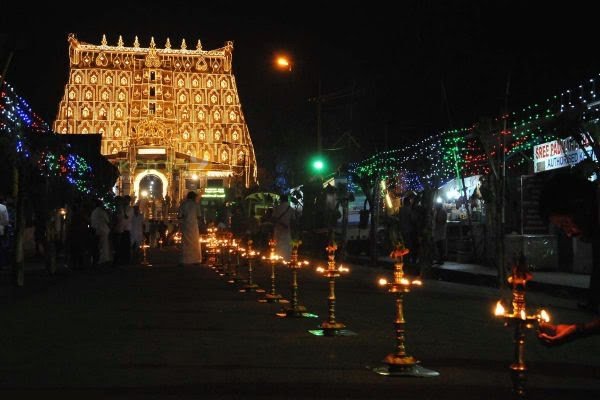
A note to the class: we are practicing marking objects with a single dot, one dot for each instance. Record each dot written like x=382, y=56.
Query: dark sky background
x=403, y=74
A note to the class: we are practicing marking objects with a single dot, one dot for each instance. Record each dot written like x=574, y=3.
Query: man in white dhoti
x=189, y=212
x=100, y=222
x=137, y=233
x=282, y=218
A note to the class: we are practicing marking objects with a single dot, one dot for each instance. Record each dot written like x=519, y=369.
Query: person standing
x=406, y=225
x=438, y=232
x=100, y=222
x=77, y=238
x=123, y=231
x=282, y=218
x=188, y=214
x=238, y=223
x=137, y=233
x=4, y=222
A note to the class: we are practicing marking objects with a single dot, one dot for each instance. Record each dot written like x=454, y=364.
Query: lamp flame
x=544, y=316
x=405, y=281
x=523, y=315
x=383, y=282
x=499, y=309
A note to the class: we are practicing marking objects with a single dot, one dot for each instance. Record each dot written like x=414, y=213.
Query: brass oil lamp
x=295, y=310
x=521, y=321
x=273, y=259
x=250, y=254
x=399, y=363
x=145, y=261
x=233, y=261
x=332, y=327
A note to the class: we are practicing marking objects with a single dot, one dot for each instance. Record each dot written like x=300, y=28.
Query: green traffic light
x=318, y=165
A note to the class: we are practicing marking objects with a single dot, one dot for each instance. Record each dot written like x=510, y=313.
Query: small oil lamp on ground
x=521, y=321
x=399, y=363
x=219, y=266
x=295, y=309
x=233, y=261
x=272, y=296
x=250, y=255
x=212, y=248
x=145, y=261
x=204, y=241
x=226, y=244
x=332, y=327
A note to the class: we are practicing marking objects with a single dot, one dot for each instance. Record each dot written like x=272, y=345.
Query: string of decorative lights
x=446, y=155
x=20, y=125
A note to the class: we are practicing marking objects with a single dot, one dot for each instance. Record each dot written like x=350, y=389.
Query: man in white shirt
x=4, y=222
x=3, y=217
x=123, y=231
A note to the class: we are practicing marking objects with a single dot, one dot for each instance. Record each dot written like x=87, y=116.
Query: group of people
x=118, y=236
x=277, y=225
x=411, y=217
x=97, y=235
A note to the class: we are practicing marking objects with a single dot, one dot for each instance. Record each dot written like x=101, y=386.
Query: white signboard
x=558, y=154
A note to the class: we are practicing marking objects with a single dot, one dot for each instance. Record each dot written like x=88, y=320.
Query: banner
x=558, y=154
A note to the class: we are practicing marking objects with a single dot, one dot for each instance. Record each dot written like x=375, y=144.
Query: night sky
x=402, y=75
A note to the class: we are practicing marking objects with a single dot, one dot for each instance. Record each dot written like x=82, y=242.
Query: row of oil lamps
x=399, y=362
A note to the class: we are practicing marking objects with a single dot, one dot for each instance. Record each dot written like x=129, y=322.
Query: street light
x=283, y=62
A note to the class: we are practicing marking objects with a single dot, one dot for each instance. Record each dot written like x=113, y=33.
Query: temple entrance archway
x=151, y=174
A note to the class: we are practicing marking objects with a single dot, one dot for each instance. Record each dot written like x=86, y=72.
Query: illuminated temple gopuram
x=170, y=113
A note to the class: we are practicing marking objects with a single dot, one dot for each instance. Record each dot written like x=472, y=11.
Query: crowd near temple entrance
x=151, y=194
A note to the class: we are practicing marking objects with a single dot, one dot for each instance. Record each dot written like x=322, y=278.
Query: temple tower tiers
x=172, y=113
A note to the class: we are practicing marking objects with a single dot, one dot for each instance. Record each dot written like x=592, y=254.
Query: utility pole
x=502, y=269
x=319, y=124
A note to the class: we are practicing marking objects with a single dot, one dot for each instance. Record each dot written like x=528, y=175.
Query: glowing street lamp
x=283, y=62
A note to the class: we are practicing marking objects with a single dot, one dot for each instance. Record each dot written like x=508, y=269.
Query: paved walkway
x=561, y=283
x=575, y=284
x=172, y=332
x=578, y=281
